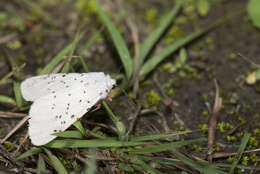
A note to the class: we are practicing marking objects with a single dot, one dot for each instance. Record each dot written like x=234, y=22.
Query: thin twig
x=134, y=118
x=20, y=124
x=16, y=69
x=213, y=123
x=23, y=141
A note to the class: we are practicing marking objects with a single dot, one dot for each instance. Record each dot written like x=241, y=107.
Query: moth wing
x=56, y=112
x=35, y=87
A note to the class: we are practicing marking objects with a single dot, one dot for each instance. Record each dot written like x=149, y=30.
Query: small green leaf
x=30, y=152
x=118, y=41
x=254, y=12
x=58, y=166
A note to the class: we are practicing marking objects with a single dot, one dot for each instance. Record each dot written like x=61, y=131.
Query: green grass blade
x=150, y=64
x=58, y=166
x=80, y=127
x=241, y=149
x=30, y=152
x=7, y=100
x=56, y=60
x=156, y=34
x=118, y=41
x=157, y=136
x=69, y=134
x=66, y=67
x=92, y=143
x=144, y=167
x=41, y=167
x=195, y=165
x=17, y=94
x=86, y=46
x=92, y=165
x=163, y=147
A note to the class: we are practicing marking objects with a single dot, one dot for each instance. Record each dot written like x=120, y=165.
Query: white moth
x=61, y=99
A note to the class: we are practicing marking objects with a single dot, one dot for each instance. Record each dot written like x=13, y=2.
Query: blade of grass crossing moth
x=241, y=149
x=67, y=143
x=92, y=165
x=66, y=67
x=32, y=151
x=150, y=42
x=17, y=94
x=87, y=45
x=56, y=163
x=56, y=60
x=195, y=165
x=7, y=100
x=41, y=167
x=118, y=41
x=150, y=64
x=80, y=127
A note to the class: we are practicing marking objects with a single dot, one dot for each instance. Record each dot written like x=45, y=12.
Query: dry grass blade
x=20, y=124
x=11, y=115
x=213, y=122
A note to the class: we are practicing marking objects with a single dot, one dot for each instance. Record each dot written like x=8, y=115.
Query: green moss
x=8, y=145
x=205, y=113
x=204, y=97
x=14, y=45
x=217, y=149
x=196, y=148
x=153, y=97
x=256, y=116
x=244, y=160
x=241, y=120
x=224, y=127
x=175, y=122
x=256, y=132
x=230, y=159
x=254, y=158
x=67, y=164
x=232, y=56
x=175, y=33
x=253, y=142
x=182, y=128
x=171, y=92
x=150, y=15
x=88, y=9
x=231, y=138
x=203, y=128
